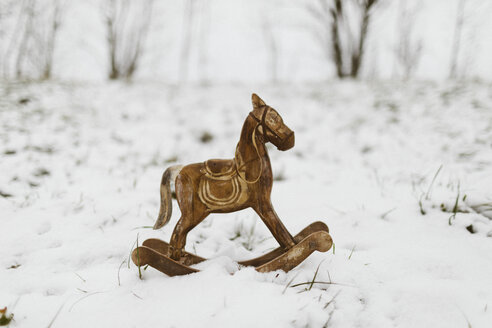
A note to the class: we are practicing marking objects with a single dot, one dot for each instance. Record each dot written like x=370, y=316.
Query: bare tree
x=32, y=45
x=343, y=30
x=458, y=28
x=127, y=25
x=50, y=40
x=408, y=50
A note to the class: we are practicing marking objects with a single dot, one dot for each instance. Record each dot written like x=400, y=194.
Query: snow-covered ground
x=401, y=173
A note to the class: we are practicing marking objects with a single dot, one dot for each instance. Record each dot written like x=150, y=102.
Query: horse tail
x=166, y=208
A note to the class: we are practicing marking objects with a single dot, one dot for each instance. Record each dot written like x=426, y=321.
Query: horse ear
x=257, y=102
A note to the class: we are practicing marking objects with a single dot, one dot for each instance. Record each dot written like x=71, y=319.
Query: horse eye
x=274, y=120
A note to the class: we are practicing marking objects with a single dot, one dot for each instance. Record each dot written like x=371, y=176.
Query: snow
x=82, y=165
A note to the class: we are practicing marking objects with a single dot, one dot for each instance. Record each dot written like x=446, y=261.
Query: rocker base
x=314, y=237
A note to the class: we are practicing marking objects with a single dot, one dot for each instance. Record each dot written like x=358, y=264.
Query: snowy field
x=401, y=173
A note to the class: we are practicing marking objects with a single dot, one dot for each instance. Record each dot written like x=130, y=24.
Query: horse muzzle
x=288, y=142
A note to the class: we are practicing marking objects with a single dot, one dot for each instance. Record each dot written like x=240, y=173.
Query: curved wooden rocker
x=223, y=186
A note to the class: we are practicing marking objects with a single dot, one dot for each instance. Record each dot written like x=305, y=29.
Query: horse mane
x=247, y=155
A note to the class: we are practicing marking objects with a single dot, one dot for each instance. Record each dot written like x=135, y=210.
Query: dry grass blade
x=314, y=277
x=136, y=295
x=332, y=299
x=130, y=254
x=138, y=261
x=290, y=282
x=455, y=207
x=119, y=283
x=56, y=316
x=143, y=227
x=79, y=276
x=427, y=195
x=383, y=216
x=319, y=282
x=421, y=206
x=351, y=252
x=82, y=298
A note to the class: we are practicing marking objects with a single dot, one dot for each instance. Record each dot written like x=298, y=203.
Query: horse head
x=272, y=125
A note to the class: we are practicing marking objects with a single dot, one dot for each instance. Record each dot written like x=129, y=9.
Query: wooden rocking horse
x=229, y=185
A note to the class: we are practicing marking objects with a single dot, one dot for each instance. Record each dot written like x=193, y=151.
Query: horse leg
x=192, y=213
x=178, y=238
x=270, y=218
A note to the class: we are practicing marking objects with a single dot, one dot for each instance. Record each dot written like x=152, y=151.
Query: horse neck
x=254, y=158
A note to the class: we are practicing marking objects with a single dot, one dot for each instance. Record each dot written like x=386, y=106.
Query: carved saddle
x=217, y=168
x=220, y=185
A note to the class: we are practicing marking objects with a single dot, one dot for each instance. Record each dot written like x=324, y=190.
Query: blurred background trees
x=342, y=32
x=127, y=23
x=29, y=52
x=408, y=48
x=224, y=41
x=458, y=30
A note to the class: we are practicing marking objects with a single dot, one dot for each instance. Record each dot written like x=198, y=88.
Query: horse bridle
x=261, y=122
x=265, y=127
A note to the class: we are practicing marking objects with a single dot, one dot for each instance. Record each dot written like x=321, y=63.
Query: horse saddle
x=217, y=168
x=220, y=186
